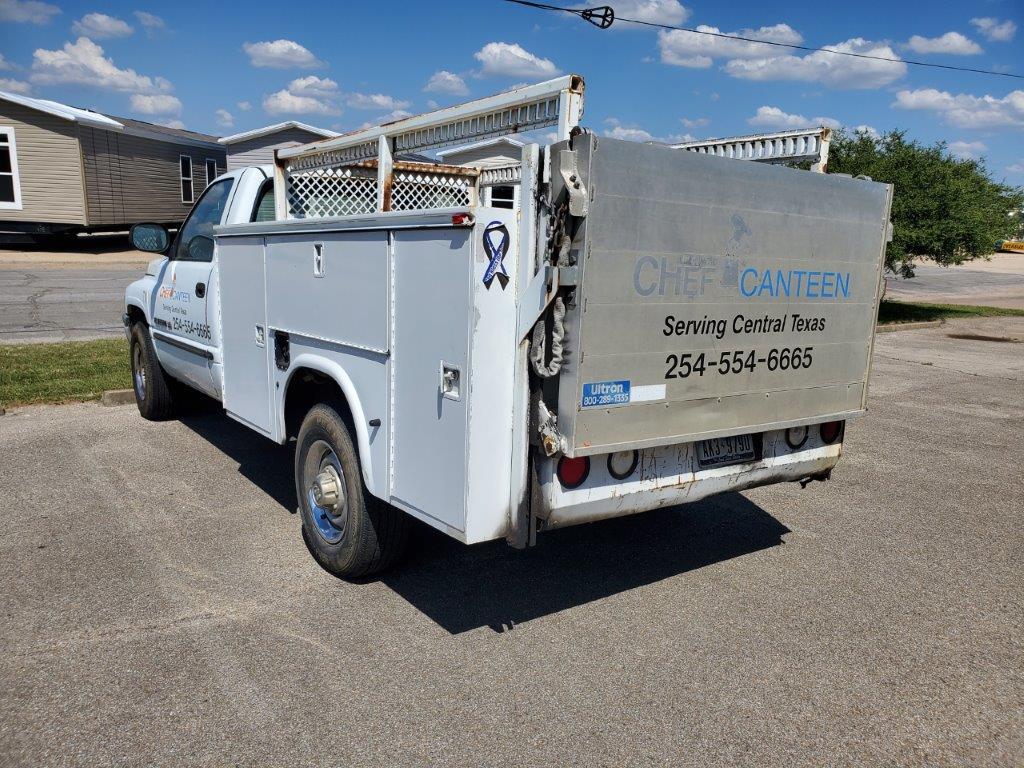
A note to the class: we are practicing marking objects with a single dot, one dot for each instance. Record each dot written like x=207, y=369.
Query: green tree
x=944, y=208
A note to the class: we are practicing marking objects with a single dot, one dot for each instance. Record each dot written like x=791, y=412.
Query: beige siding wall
x=483, y=156
x=49, y=166
x=131, y=179
x=260, y=151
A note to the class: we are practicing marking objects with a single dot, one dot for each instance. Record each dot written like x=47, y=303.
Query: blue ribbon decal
x=496, y=251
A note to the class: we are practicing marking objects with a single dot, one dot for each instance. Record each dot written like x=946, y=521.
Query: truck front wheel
x=349, y=532
x=152, y=386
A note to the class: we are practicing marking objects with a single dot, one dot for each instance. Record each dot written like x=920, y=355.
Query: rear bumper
x=671, y=475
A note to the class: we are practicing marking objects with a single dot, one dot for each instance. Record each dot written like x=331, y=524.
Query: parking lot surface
x=160, y=608
x=995, y=282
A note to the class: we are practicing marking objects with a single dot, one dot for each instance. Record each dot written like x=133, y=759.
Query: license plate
x=725, y=450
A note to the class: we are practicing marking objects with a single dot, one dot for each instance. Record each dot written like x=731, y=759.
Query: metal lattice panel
x=329, y=192
x=414, y=190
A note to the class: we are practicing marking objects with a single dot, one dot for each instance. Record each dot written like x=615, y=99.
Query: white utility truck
x=648, y=325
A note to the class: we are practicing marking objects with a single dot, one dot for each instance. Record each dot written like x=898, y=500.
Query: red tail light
x=831, y=431
x=573, y=472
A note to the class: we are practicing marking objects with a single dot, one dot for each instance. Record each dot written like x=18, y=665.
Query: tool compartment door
x=716, y=297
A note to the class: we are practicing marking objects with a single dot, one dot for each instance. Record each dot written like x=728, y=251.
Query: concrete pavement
x=998, y=282
x=159, y=607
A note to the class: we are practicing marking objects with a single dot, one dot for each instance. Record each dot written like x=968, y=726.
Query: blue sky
x=339, y=65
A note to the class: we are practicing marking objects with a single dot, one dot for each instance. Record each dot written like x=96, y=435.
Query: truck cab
x=178, y=299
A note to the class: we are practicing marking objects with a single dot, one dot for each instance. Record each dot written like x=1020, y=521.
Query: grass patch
x=904, y=312
x=57, y=373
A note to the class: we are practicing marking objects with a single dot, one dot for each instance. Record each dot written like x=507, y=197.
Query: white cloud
x=14, y=86
x=431, y=104
x=511, y=60
x=965, y=110
x=310, y=95
x=312, y=85
x=773, y=117
x=995, y=30
x=390, y=117
x=827, y=68
x=150, y=21
x=245, y=106
x=694, y=123
x=99, y=26
x=225, y=119
x=1016, y=167
x=867, y=129
x=619, y=130
x=689, y=49
x=444, y=81
x=952, y=43
x=156, y=104
x=670, y=12
x=4, y=63
x=281, y=54
x=30, y=11
x=375, y=101
x=83, y=63
x=967, y=149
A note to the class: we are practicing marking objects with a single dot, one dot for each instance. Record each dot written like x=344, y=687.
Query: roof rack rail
x=780, y=147
x=557, y=102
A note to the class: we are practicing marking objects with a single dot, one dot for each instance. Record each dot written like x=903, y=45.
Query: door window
x=195, y=240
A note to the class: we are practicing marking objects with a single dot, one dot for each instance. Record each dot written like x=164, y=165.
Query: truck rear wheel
x=153, y=388
x=350, y=533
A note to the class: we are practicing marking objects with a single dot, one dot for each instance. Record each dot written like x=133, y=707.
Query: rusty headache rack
x=360, y=173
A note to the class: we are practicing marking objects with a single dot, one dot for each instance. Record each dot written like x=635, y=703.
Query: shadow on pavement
x=492, y=585
x=264, y=463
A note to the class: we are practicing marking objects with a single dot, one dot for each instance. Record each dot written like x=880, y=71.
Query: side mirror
x=152, y=238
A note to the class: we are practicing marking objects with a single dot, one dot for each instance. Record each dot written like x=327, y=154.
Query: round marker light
x=573, y=472
x=796, y=436
x=831, y=430
x=622, y=464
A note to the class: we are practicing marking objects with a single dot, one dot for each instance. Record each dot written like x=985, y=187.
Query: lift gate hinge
x=578, y=198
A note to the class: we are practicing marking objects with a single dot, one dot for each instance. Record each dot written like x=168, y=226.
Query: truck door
x=181, y=327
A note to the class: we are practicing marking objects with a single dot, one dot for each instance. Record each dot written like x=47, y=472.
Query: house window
x=503, y=197
x=187, y=193
x=211, y=170
x=10, y=184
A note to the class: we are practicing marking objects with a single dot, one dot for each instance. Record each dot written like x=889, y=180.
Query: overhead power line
x=604, y=16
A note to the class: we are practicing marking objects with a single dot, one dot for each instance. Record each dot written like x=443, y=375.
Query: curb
x=117, y=397
x=890, y=327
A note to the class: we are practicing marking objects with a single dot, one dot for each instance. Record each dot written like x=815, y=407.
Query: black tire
x=366, y=536
x=154, y=389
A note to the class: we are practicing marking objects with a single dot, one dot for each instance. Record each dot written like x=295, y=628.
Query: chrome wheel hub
x=326, y=492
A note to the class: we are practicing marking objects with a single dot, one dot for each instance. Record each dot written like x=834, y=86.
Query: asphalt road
x=62, y=303
x=160, y=608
